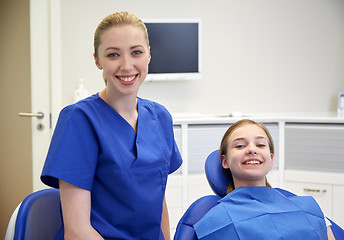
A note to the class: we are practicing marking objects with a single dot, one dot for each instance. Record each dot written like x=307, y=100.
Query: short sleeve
x=73, y=152
x=166, y=122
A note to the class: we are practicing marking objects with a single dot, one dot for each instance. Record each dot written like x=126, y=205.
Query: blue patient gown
x=94, y=148
x=262, y=213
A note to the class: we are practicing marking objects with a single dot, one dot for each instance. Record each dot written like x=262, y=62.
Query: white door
x=45, y=75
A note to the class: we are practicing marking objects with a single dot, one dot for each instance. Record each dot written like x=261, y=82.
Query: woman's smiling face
x=248, y=156
x=124, y=57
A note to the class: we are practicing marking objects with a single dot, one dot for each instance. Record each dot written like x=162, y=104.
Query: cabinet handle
x=311, y=190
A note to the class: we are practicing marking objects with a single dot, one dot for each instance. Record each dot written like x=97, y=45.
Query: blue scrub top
x=262, y=213
x=96, y=149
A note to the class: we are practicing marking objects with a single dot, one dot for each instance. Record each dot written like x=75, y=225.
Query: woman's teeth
x=127, y=79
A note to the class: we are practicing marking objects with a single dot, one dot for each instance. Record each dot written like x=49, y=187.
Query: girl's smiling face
x=248, y=156
x=123, y=55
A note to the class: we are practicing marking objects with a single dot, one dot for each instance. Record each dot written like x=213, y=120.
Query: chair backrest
x=216, y=175
x=39, y=216
x=219, y=183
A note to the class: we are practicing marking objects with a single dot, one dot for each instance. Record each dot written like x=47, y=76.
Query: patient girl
x=252, y=209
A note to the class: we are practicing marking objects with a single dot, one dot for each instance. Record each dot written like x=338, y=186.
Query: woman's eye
x=136, y=52
x=111, y=55
x=239, y=146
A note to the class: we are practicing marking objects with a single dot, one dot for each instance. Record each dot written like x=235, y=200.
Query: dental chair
x=38, y=217
x=218, y=182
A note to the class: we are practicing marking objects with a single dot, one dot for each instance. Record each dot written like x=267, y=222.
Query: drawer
x=322, y=193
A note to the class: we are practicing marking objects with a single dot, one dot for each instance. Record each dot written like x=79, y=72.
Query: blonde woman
x=111, y=153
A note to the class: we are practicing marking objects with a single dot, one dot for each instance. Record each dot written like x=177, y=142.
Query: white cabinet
x=322, y=193
x=327, y=188
x=314, y=164
x=338, y=204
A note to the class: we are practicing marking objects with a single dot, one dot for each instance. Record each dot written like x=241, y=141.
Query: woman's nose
x=126, y=63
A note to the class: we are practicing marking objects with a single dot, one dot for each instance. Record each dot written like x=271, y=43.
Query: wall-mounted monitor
x=175, y=49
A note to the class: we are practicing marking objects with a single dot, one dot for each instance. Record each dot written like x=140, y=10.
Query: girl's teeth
x=252, y=162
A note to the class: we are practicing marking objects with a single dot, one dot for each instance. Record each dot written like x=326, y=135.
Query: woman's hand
x=165, y=222
x=76, y=212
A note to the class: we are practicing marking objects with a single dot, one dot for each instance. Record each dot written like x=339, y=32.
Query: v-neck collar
x=119, y=116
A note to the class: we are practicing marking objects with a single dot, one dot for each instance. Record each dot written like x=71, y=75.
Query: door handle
x=38, y=115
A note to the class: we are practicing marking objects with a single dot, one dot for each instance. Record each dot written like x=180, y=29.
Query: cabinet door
x=322, y=193
x=174, y=198
x=202, y=140
x=338, y=206
x=198, y=187
x=317, y=147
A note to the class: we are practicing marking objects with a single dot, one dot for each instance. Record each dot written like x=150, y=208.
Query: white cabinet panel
x=317, y=147
x=338, y=205
x=273, y=129
x=178, y=136
x=174, y=200
x=198, y=187
x=322, y=193
x=174, y=190
x=202, y=140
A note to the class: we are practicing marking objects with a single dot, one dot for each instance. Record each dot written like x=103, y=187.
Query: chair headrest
x=216, y=174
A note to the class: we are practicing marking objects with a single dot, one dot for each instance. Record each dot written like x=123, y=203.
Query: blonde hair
x=115, y=19
x=224, y=141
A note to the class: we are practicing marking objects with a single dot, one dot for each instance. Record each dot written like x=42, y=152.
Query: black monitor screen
x=174, y=47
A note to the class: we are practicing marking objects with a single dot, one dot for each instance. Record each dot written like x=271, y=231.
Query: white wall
x=258, y=56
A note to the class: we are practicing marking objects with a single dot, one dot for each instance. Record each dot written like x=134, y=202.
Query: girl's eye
x=239, y=146
x=136, y=52
x=261, y=145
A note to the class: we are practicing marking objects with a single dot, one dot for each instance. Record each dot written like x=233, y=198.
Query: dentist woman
x=111, y=153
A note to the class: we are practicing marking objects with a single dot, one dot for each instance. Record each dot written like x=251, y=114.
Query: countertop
x=196, y=118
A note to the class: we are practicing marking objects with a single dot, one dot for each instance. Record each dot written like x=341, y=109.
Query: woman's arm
x=330, y=235
x=165, y=222
x=76, y=212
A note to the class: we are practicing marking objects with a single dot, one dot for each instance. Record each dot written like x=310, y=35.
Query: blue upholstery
x=216, y=175
x=194, y=213
x=219, y=182
x=39, y=216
